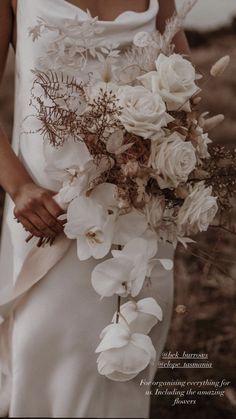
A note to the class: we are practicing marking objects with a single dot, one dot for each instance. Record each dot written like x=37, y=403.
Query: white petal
x=143, y=323
x=115, y=337
x=110, y=326
x=138, y=275
x=141, y=315
x=99, y=250
x=121, y=377
x=150, y=306
x=107, y=369
x=136, y=252
x=108, y=276
x=66, y=194
x=152, y=241
x=104, y=368
x=128, y=359
x=142, y=341
x=83, y=249
x=83, y=213
x=129, y=311
x=129, y=226
x=167, y=264
x=72, y=153
x=135, y=247
x=105, y=195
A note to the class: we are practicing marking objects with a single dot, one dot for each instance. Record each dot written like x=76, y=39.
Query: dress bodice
x=59, y=36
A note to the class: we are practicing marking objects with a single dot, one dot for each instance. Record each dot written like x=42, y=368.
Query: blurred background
x=204, y=316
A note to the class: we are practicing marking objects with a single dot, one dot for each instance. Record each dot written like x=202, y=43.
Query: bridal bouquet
x=132, y=158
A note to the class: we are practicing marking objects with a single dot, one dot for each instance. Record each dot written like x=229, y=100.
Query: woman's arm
x=34, y=206
x=166, y=10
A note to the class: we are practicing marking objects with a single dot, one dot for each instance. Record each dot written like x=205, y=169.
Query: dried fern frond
x=54, y=85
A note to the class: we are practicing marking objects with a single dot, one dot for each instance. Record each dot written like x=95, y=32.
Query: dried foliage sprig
x=174, y=25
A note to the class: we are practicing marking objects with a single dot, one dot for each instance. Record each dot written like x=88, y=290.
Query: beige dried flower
x=196, y=100
x=213, y=122
x=220, y=66
x=130, y=169
x=181, y=309
x=182, y=191
x=154, y=211
x=107, y=72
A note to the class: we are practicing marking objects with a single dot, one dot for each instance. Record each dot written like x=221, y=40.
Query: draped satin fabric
x=50, y=316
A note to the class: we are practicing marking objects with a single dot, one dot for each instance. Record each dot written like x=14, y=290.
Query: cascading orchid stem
x=118, y=298
x=118, y=308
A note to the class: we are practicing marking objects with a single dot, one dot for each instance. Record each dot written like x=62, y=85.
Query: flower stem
x=119, y=247
x=118, y=309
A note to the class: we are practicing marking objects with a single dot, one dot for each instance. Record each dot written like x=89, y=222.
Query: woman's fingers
x=53, y=208
x=36, y=209
x=49, y=220
x=30, y=227
x=41, y=225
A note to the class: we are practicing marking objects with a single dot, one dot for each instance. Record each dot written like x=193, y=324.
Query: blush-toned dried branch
x=101, y=118
x=53, y=96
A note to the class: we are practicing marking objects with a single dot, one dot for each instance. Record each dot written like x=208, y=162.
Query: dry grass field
x=209, y=321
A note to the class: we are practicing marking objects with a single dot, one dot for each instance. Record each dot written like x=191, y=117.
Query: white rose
x=144, y=113
x=198, y=210
x=174, y=80
x=174, y=160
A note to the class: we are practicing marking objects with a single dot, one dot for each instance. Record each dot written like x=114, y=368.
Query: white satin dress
x=50, y=316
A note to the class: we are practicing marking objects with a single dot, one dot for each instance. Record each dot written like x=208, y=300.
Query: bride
x=50, y=315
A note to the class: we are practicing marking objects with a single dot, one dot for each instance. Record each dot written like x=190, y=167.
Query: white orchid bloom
x=80, y=178
x=91, y=221
x=70, y=165
x=105, y=195
x=151, y=251
x=74, y=168
x=141, y=316
x=123, y=354
x=76, y=181
x=127, y=226
x=71, y=155
x=125, y=273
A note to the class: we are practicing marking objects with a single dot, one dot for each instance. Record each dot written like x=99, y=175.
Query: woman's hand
x=37, y=211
